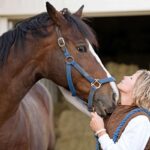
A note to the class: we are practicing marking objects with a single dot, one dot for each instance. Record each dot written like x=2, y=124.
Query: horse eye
x=81, y=48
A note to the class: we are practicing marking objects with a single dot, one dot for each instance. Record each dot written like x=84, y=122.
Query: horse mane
x=81, y=26
x=19, y=32
x=36, y=25
x=6, y=41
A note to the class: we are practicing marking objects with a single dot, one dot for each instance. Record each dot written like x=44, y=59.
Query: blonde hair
x=141, y=90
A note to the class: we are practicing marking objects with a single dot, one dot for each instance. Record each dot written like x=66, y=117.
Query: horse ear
x=53, y=13
x=79, y=12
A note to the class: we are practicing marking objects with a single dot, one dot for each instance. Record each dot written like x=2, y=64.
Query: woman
x=133, y=133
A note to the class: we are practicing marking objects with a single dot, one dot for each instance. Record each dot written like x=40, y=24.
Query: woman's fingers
x=93, y=114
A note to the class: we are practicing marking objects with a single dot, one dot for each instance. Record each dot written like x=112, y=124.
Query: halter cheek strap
x=70, y=62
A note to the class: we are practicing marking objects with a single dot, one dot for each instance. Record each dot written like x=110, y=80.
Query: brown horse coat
x=30, y=127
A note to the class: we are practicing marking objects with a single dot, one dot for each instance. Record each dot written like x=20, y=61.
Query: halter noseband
x=70, y=62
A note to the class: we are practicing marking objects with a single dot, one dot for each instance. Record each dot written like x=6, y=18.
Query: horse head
x=58, y=45
x=75, y=64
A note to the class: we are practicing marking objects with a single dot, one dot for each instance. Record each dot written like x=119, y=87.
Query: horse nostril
x=109, y=110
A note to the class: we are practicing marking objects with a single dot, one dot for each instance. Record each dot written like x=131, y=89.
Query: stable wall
x=19, y=9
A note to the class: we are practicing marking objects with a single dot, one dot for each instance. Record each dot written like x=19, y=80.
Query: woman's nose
x=124, y=77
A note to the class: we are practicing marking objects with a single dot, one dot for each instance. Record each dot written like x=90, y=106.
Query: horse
x=47, y=46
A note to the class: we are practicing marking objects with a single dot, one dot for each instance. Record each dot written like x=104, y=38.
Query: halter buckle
x=96, y=84
x=69, y=59
x=61, y=42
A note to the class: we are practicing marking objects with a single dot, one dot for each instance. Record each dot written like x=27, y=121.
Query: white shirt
x=134, y=137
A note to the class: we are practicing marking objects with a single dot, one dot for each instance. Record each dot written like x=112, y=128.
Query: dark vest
x=118, y=115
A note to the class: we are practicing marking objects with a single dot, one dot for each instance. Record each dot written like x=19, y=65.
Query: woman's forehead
x=136, y=74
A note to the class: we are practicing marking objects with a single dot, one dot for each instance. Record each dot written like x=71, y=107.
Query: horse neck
x=17, y=76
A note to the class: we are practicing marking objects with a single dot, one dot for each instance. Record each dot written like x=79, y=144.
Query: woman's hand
x=97, y=122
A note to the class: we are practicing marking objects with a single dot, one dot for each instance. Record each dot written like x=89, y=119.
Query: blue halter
x=70, y=62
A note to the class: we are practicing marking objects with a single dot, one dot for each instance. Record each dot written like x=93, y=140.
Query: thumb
x=92, y=114
x=95, y=113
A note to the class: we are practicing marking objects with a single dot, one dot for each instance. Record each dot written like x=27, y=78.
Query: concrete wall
x=92, y=7
x=19, y=9
x=3, y=24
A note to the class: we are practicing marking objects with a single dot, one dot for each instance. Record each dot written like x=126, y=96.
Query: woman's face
x=126, y=86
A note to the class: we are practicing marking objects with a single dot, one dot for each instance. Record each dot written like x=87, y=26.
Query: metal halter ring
x=61, y=42
x=96, y=84
x=69, y=59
